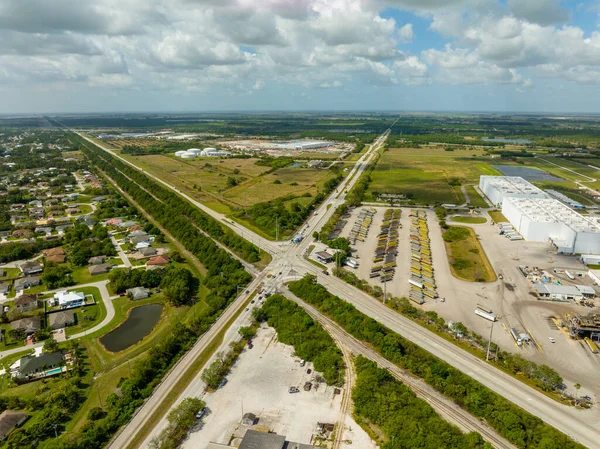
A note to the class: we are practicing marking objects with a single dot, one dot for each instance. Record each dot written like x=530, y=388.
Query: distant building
x=67, y=299
x=113, y=222
x=99, y=269
x=26, y=282
x=41, y=366
x=27, y=325
x=558, y=292
x=96, y=260
x=4, y=288
x=159, y=260
x=147, y=251
x=249, y=419
x=262, y=440
x=139, y=239
x=9, y=420
x=56, y=259
x=324, y=257
x=26, y=303
x=137, y=293
x=62, y=319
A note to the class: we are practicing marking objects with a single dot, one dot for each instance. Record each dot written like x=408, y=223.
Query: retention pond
x=139, y=323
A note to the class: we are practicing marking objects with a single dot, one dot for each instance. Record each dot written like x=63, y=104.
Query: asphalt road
x=287, y=257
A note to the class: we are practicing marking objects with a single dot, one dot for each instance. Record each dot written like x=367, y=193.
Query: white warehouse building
x=496, y=188
x=543, y=220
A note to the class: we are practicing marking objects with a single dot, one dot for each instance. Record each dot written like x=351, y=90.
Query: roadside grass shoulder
x=497, y=216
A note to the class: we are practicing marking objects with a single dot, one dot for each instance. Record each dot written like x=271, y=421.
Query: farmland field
x=425, y=174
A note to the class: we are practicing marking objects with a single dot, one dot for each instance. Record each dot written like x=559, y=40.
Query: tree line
x=295, y=327
x=523, y=429
x=406, y=421
x=172, y=211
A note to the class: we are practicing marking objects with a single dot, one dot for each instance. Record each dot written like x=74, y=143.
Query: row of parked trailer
x=361, y=227
x=386, y=251
x=422, y=283
x=508, y=231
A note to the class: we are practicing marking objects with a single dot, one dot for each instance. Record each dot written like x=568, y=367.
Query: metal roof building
x=543, y=220
x=497, y=188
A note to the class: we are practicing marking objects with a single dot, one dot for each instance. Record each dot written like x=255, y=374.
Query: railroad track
x=346, y=405
x=442, y=405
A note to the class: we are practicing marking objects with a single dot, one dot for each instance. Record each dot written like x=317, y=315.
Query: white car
x=552, y=340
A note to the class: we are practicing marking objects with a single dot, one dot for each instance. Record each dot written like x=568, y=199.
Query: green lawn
x=10, y=273
x=475, y=198
x=424, y=174
x=90, y=316
x=81, y=275
x=466, y=256
x=497, y=216
x=471, y=220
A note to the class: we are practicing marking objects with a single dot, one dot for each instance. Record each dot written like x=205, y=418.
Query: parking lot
x=259, y=384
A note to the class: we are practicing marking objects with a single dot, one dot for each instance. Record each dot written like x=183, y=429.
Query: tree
x=231, y=181
x=577, y=387
x=56, y=276
x=211, y=376
x=50, y=345
x=13, y=314
x=247, y=332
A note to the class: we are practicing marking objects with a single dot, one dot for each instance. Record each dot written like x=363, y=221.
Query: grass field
x=475, y=198
x=206, y=180
x=424, y=174
x=497, y=216
x=471, y=220
x=466, y=256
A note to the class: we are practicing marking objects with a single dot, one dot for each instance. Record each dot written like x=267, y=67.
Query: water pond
x=139, y=323
x=504, y=140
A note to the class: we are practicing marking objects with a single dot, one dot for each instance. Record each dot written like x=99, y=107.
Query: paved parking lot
x=259, y=384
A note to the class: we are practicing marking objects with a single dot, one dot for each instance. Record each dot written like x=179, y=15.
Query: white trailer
x=486, y=315
x=415, y=283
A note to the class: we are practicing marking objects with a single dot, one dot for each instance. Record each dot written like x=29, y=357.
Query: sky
x=65, y=56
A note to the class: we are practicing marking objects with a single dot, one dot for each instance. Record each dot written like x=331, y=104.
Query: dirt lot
x=259, y=384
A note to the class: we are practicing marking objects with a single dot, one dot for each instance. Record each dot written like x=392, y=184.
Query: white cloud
x=406, y=33
x=543, y=12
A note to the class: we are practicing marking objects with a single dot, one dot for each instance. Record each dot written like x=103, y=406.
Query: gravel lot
x=259, y=384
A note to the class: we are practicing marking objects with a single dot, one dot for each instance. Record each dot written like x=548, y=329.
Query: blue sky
x=209, y=55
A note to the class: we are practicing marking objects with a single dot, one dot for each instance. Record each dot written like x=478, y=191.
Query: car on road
x=552, y=340
x=201, y=413
x=247, y=308
x=252, y=302
x=293, y=390
x=326, y=272
x=223, y=383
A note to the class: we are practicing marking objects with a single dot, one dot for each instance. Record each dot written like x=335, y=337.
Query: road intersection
x=288, y=263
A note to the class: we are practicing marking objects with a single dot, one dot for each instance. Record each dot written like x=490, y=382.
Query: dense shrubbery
x=180, y=420
x=295, y=327
x=520, y=427
x=395, y=409
x=86, y=243
x=25, y=250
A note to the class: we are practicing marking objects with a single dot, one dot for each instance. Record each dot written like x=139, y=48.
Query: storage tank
x=179, y=153
x=188, y=155
x=194, y=151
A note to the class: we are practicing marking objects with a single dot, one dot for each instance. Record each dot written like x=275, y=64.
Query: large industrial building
x=496, y=188
x=538, y=217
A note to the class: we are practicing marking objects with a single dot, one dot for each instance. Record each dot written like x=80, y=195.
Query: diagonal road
x=578, y=424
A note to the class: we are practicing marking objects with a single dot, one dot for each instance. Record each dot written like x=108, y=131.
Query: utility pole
x=487, y=356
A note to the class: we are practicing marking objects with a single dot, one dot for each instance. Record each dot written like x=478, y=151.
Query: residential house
x=72, y=210
x=148, y=252
x=26, y=303
x=43, y=230
x=134, y=228
x=31, y=267
x=51, y=201
x=59, y=320
x=9, y=420
x=28, y=325
x=158, y=260
x=87, y=220
x=142, y=245
x=113, y=222
x=58, y=251
x=2, y=272
x=139, y=239
x=98, y=199
x=138, y=293
x=17, y=206
x=22, y=234
x=37, y=213
x=99, y=269
x=96, y=260
x=127, y=224
x=26, y=282
x=67, y=299
x=62, y=228
x=4, y=288
x=35, y=203
x=56, y=259
x=138, y=233
x=41, y=366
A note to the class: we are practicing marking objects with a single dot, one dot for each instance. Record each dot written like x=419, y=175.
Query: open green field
x=498, y=216
x=206, y=180
x=475, y=198
x=466, y=256
x=470, y=220
x=424, y=174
